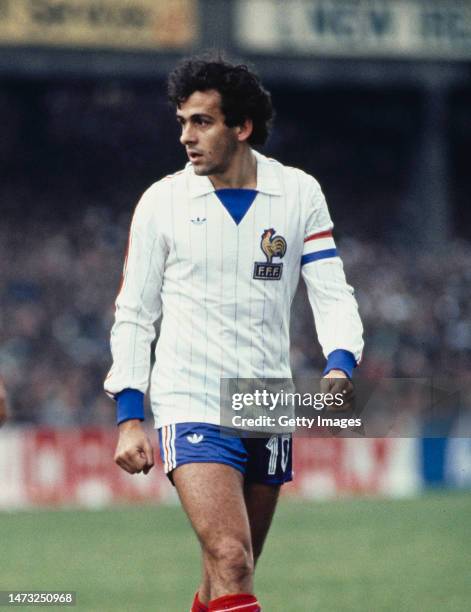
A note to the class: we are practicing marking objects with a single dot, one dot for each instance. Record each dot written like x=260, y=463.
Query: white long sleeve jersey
x=224, y=290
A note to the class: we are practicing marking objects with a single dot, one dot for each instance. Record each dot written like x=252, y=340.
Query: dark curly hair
x=243, y=96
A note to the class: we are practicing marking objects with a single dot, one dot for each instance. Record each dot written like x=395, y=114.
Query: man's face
x=209, y=143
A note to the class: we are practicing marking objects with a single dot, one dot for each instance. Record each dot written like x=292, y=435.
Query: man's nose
x=188, y=134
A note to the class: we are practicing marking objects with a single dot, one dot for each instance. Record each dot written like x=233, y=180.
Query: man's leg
x=212, y=495
x=260, y=500
x=269, y=465
x=261, y=503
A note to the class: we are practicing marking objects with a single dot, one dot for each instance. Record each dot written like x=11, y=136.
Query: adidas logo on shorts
x=195, y=438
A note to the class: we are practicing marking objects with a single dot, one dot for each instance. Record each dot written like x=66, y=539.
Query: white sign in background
x=432, y=29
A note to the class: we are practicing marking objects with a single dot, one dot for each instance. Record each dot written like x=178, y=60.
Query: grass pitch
x=352, y=555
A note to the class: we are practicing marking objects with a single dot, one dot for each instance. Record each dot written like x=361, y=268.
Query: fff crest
x=272, y=246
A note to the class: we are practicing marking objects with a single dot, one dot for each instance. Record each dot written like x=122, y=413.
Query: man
x=216, y=250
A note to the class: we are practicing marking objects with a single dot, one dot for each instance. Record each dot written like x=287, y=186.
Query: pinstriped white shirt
x=219, y=287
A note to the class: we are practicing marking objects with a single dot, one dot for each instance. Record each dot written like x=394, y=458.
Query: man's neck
x=241, y=174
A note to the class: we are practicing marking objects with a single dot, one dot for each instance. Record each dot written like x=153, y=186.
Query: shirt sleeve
x=338, y=324
x=138, y=304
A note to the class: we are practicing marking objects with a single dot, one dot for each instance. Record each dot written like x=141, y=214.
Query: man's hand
x=337, y=381
x=134, y=451
x=3, y=404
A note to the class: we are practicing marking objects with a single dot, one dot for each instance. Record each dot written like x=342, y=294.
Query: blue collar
x=237, y=201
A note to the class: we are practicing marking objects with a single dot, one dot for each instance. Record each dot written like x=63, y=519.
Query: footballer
x=216, y=251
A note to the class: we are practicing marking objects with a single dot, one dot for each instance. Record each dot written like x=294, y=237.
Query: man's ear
x=245, y=130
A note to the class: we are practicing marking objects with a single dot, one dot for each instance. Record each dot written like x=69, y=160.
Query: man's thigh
x=269, y=466
x=228, y=486
x=212, y=495
x=260, y=501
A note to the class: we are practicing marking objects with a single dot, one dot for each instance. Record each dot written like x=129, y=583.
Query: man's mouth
x=194, y=156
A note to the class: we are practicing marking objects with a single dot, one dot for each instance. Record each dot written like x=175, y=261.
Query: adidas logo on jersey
x=195, y=438
x=198, y=221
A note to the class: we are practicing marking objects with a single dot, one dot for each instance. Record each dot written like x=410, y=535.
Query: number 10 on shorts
x=273, y=445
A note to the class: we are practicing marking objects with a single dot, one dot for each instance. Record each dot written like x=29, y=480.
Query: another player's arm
x=138, y=306
x=335, y=309
x=3, y=404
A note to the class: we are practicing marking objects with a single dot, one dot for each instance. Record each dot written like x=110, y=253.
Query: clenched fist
x=134, y=451
x=337, y=381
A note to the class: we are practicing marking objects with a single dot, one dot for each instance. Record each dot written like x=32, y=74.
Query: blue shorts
x=261, y=460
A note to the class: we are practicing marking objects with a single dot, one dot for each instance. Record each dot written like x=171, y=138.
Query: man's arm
x=335, y=309
x=138, y=306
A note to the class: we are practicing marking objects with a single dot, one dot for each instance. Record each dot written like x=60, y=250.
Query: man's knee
x=231, y=558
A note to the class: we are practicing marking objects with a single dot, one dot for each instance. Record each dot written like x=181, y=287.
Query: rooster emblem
x=271, y=245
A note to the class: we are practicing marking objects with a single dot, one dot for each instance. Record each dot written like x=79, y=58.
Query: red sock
x=241, y=602
x=197, y=605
